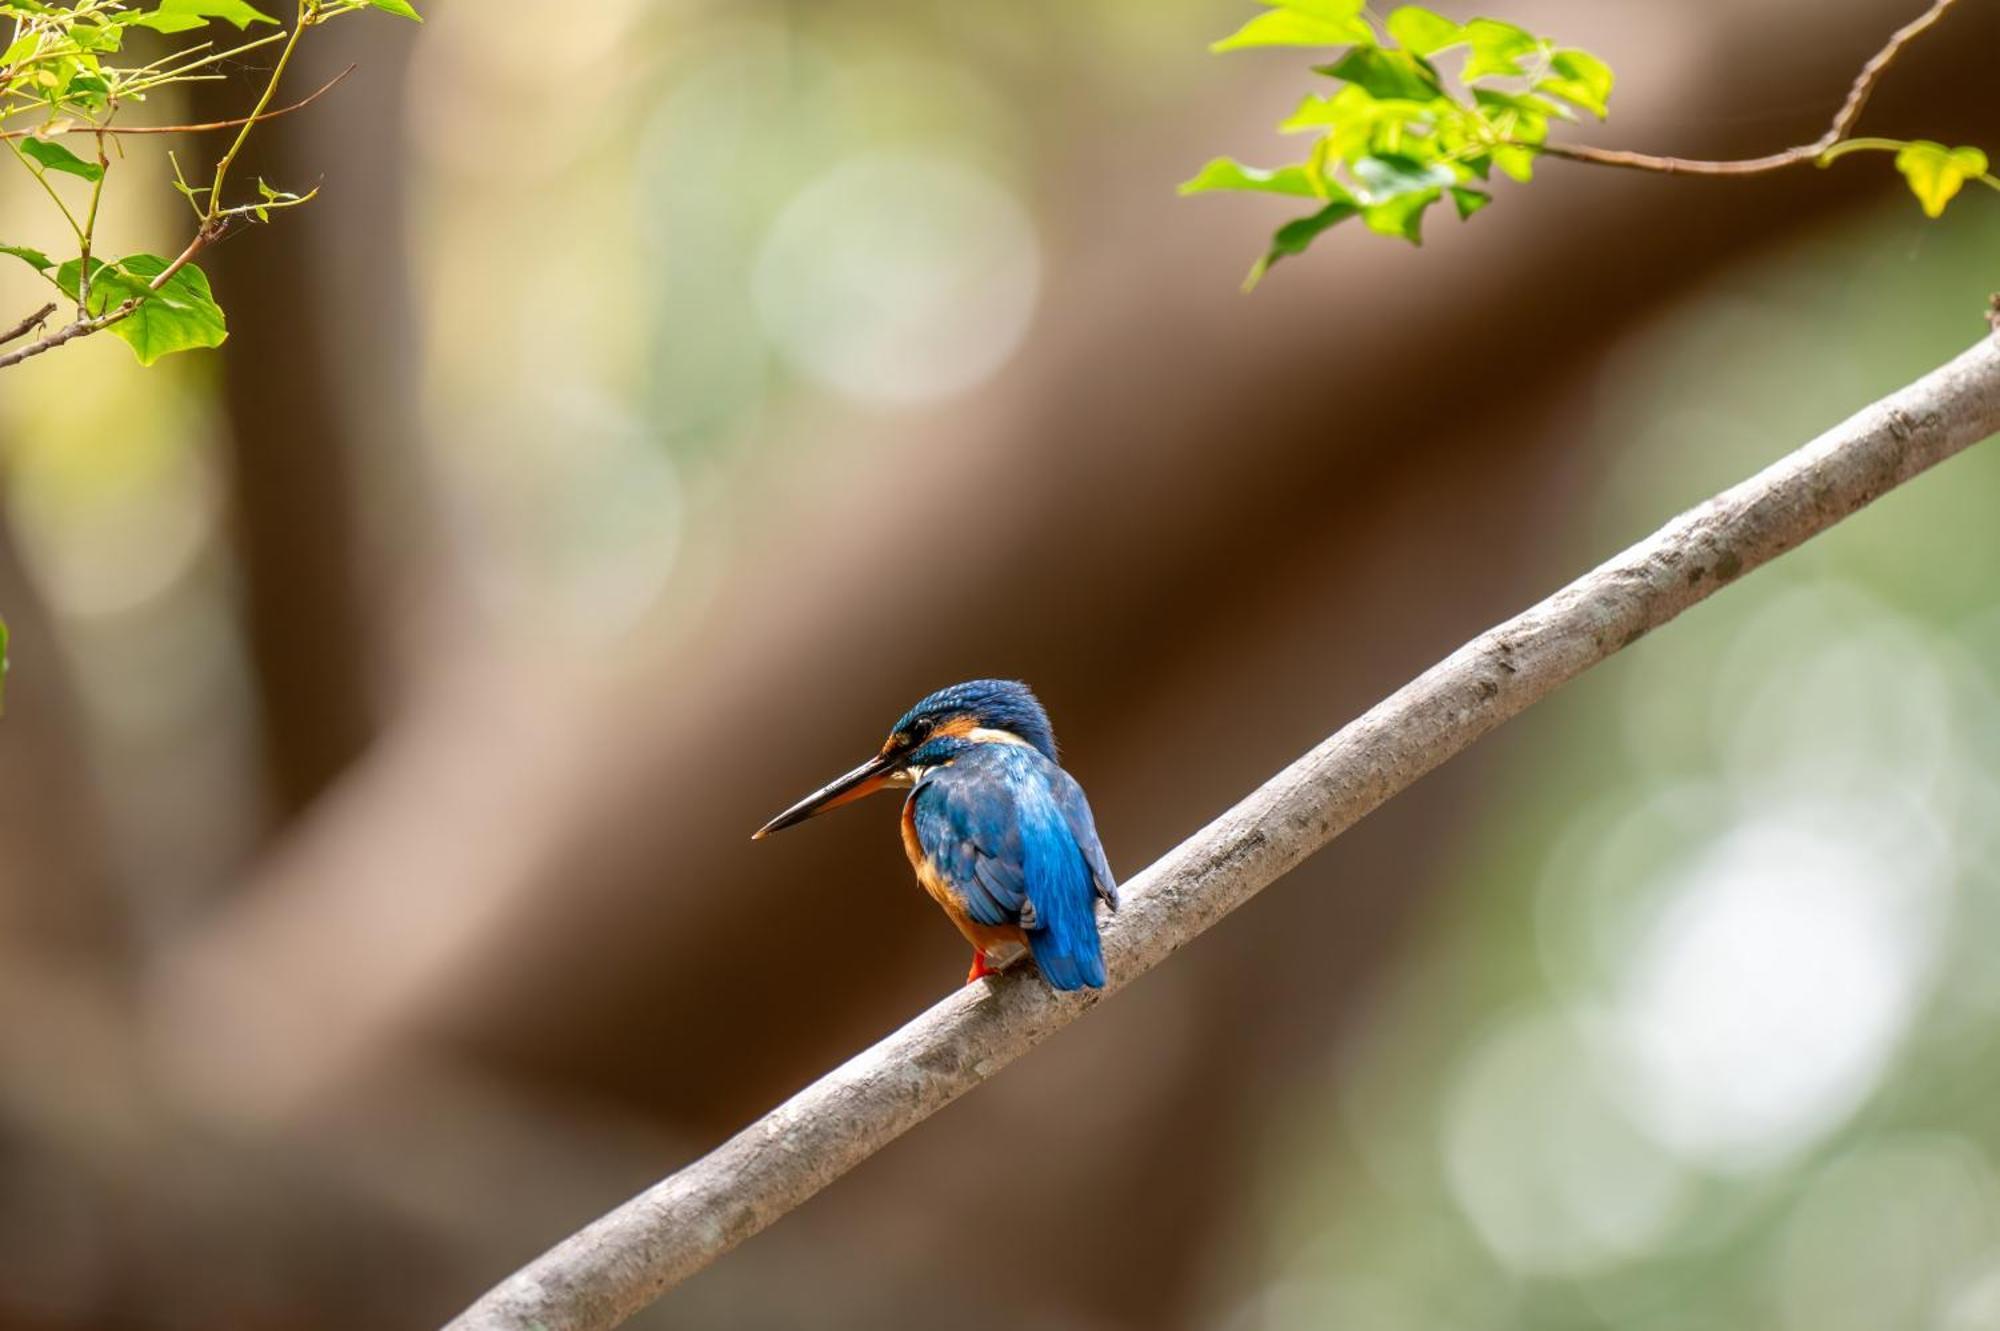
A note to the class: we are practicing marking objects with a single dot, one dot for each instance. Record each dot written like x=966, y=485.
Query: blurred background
x=395, y=690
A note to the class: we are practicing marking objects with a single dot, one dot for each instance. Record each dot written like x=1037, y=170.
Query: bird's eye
x=909, y=737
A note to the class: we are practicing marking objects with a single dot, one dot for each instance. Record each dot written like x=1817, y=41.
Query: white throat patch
x=981, y=735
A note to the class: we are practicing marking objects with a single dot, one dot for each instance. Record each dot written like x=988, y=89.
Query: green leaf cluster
x=62, y=60
x=64, y=78
x=1423, y=108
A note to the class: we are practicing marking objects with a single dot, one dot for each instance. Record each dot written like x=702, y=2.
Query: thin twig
x=205, y=127
x=29, y=324
x=1871, y=73
x=1842, y=125
x=229, y=155
x=625, y=1260
x=88, y=238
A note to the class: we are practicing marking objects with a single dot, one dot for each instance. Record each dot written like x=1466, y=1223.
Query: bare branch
x=29, y=324
x=202, y=128
x=1843, y=122
x=625, y=1260
x=1871, y=73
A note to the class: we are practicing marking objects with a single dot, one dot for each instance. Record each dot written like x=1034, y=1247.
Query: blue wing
x=966, y=824
x=999, y=824
x=1076, y=812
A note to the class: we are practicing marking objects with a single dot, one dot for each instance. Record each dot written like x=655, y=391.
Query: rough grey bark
x=628, y=1258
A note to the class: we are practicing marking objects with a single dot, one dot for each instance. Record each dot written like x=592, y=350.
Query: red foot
x=980, y=968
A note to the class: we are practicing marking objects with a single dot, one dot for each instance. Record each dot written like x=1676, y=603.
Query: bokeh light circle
x=898, y=277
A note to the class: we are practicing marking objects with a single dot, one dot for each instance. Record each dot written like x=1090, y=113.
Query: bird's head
x=931, y=734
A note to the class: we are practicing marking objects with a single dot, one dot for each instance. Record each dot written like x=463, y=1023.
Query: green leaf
x=1227, y=174
x=1356, y=123
x=1387, y=75
x=400, y=8
x=1516, y=115
x=54, y=157
x=1516, y=164
x=1333, y=11
x=1352, y=105
x=1497, y=48
x=84, y=88
x=181, y=316
x=183, y=15
x=1401, y=216
x=1422, y=32
x=1468, y=201
x=1936, y=173
x=1580, y=78
x=1388, y=176
x=1302, y=23
x=35, y=259
x=100, y=36
x=1293, y=237
x=1396, y=191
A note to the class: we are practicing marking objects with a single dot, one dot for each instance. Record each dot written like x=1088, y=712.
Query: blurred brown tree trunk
x=57, y=888
x=316, y=390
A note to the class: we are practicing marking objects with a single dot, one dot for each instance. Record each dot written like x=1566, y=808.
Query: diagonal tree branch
x=626, y=1259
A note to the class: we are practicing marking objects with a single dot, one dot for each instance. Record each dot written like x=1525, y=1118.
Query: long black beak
x=866, y=779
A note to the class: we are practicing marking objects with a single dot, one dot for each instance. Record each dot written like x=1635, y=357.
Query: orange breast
x=985, y=937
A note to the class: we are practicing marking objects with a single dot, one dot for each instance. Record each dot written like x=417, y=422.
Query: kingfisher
x=1000, y=836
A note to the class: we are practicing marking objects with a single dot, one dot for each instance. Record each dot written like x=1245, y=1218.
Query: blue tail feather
x=1064, y=940
x=1080, y=969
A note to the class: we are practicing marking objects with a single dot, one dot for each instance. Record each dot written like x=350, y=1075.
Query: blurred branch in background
x=312, y=414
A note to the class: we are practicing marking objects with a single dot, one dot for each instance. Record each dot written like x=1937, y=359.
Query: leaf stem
x=90, y=233
x=42, y=178
x=305, y=12
x=1862, y=145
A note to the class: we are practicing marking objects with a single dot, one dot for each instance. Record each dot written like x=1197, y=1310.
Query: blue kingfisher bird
x=999, y=835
